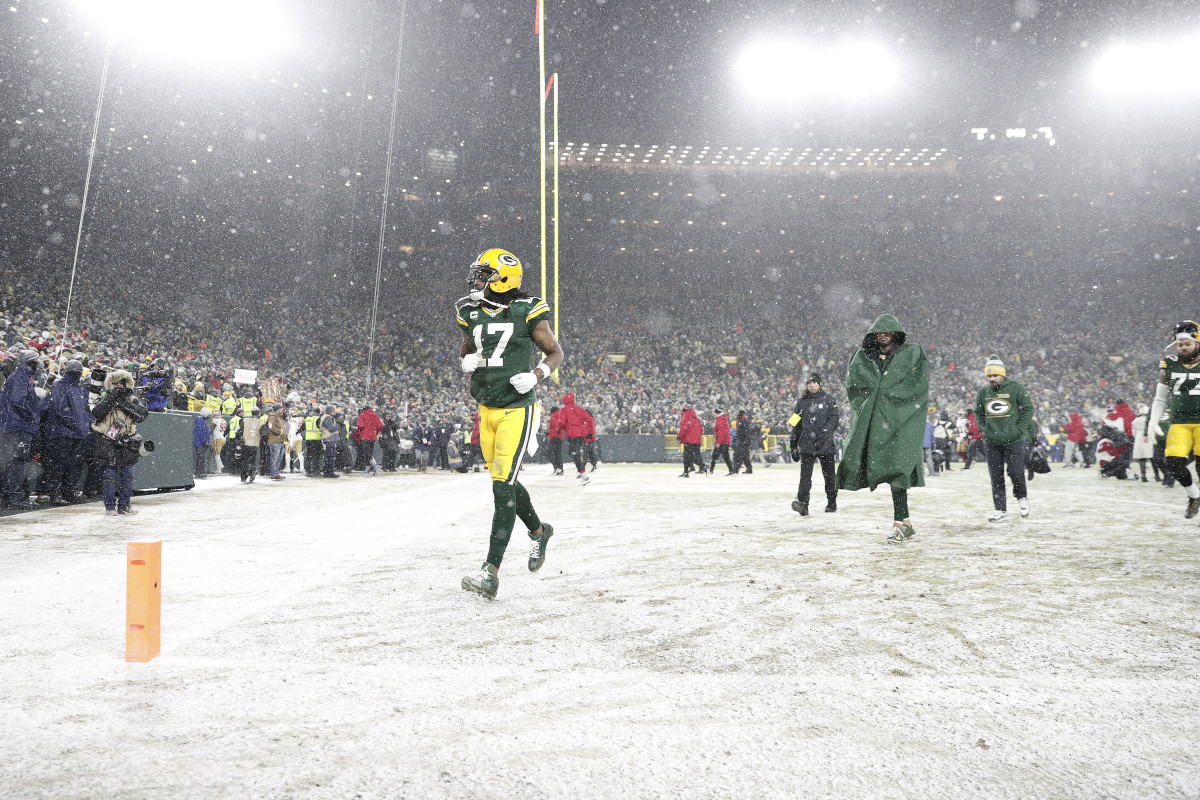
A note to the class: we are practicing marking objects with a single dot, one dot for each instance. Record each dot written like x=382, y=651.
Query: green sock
x=899, y=504
x=503, y=518
x=525, y=507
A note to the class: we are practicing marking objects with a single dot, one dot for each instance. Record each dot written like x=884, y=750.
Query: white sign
x=245, y=376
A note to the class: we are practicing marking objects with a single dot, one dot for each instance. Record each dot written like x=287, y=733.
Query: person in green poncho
x=887, y=385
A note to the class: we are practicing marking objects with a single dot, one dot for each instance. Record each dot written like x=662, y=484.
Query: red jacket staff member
x=691, y=434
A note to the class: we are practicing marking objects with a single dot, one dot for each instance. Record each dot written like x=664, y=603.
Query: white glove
x=471, y=362
x=524, y=381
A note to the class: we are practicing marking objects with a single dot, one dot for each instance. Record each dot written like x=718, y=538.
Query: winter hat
x=814, y=378
x=994, y=366
x=28, y=356
x=74, y=365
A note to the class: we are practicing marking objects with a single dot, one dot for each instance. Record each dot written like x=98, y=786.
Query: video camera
x=134, y=442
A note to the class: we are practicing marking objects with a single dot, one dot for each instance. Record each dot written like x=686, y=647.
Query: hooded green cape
x=888, y=400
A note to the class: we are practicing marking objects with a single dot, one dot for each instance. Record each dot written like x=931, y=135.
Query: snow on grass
x=686, y=638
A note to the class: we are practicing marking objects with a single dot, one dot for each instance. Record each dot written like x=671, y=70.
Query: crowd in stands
x=1053, y=272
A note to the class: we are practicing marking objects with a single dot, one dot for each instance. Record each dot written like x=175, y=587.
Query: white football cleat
x=997, y=516
x=1023, y=502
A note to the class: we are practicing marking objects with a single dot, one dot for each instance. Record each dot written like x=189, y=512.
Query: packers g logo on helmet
x=499, y=268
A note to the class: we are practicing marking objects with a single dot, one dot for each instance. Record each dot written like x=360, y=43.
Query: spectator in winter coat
x=1006, y=413
x=723, y=437
x=20, y=412
x=742, y=443
x=974, y=441
x=577, y=423
x=366, y=430
x=1077, y=437
x=927, y=446
x=690, y=435
x=816, y=422
x=1122, y=411
x=888, y=387
x=201, y=442
x=554, y=436
x=1114, y=443
x=68, y=422
x=277, y=439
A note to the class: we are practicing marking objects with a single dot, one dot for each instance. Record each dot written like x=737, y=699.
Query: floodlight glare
x=212, y=32
x=783, y=71
x=1158, y=69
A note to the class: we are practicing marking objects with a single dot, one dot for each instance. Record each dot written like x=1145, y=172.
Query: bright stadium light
x=1161, y=69
x=783, y=71
x=211, y=32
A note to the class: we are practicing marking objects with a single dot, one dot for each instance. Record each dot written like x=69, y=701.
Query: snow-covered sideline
x=687, y=638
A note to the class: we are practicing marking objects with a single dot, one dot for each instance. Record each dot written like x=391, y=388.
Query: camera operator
x=95, y=387
x=20, y=416
x=158, y=382
x=117, y=414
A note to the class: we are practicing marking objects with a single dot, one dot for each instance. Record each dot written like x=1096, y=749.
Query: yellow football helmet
x=499, y=268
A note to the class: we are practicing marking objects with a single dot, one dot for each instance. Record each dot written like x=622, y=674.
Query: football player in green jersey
x=501, y=325
x=1179, y=390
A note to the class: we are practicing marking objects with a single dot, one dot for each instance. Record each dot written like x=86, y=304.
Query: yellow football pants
x=504, y=435
x=1182, y=441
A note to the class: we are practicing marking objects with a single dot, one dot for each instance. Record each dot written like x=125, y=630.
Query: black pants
x=591, y=453
x=390, y=450
x=741, y=458
x=575, y=450
x=65, y=456
x=312, y=456
x=691, y=455
x=364, y=452
x=1011, y=456
x=1160, y=464
x=200, y=454
x=554, y=453
x=249, y=465
x=721, y=451
x=827, y=472
x=95, y=472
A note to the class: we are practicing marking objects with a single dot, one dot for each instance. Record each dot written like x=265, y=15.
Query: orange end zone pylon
x=143, y=600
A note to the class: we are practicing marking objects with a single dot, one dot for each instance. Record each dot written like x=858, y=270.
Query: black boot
x=831, y=506
x=800, y=508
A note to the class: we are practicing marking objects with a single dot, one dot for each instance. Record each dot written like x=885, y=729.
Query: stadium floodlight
x=209, y=32
x=785, y=71
x=1158, y=69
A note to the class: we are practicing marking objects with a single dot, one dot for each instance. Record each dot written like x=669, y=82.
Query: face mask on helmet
x=499, y=270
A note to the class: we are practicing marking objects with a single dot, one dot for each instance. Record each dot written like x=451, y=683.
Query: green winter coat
x=888, y=400
x=1005, y=413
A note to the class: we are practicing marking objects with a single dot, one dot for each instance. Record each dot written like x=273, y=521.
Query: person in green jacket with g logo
x=1005, y=416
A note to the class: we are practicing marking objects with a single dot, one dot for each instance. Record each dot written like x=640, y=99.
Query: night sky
x=278, y=167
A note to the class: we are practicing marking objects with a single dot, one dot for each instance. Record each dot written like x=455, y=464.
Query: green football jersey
x=502, y=336
x=1184, y=385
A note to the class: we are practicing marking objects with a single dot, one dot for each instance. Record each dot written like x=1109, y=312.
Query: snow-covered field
x=686, y=638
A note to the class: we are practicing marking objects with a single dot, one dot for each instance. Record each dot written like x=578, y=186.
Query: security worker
x=312, y=442
x=228, y=404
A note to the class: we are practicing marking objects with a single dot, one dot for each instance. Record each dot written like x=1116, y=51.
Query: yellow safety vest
x=229, y=405
x=248, y=405
x=312, y=429
x=213, y=402
x=235, y=425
